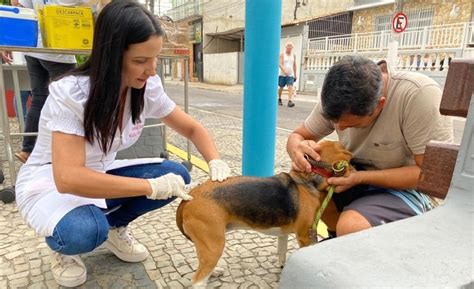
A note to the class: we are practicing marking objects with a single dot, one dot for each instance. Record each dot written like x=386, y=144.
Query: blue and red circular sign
x=399, y=22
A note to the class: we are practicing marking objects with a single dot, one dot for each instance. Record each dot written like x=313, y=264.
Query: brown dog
x=280, y=205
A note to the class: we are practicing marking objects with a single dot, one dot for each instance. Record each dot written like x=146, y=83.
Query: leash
x=321, y=168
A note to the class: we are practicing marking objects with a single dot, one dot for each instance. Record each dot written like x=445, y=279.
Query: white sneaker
x=68, y=271
x=122, y=243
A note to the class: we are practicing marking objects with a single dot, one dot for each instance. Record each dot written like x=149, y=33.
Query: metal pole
x=18, y=100
x=186, y=102
x=6, y=130
x=262, y=47
x=161, y=72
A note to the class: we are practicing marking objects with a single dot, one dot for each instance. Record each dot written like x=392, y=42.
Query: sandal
x=22, y=156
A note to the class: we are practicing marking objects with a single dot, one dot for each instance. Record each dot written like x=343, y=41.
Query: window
x=416, y=19
x=338, y=24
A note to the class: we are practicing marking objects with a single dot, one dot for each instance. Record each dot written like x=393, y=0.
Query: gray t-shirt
x=408, y=121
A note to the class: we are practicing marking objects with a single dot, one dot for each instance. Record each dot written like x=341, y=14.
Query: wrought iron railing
x=457, y=35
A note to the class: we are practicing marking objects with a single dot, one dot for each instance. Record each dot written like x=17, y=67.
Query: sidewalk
x=249, y=259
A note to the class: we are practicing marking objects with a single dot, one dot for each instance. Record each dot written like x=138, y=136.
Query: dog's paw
x=218, y=271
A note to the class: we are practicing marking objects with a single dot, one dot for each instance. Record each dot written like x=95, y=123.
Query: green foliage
x=81, y=59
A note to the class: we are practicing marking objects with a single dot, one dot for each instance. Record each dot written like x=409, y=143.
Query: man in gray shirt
x=385, y=119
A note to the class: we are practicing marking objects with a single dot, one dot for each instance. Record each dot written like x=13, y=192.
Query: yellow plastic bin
x=67, y=27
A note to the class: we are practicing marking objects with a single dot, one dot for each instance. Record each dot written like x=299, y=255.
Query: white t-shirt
x=288, y=62
x=38, y=4
x=38, y=200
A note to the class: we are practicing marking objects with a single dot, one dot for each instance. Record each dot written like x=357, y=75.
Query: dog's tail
x=179, y=219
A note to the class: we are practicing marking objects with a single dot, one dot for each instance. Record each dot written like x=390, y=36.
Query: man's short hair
x=352, y=85
x=289, y=43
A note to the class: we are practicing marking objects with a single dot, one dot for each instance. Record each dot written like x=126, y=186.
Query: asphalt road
x=231, y=104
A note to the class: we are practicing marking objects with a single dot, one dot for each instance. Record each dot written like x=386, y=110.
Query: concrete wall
x=219, y=45
x=224, y=15
x=220, y=16
x=441, y=16
x=312, y=81
x=149, y=144
x=313, y=9
x=221, y=68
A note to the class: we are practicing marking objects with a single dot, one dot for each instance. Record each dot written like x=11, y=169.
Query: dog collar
x=322, y=172
x=326, y=170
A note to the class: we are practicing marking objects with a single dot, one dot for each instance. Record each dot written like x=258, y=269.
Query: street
x=231, y=104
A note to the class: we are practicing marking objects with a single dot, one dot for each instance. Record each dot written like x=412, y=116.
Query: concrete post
x=392, y=54
x=262, y=47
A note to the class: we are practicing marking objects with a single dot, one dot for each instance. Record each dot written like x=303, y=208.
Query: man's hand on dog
x=167, y=186
x=346, y=182
x=309, y=147
x=218, y=170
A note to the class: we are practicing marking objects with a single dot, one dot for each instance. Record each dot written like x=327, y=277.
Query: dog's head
x=332, y=153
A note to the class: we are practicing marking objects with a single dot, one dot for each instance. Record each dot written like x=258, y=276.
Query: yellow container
x=66, y=27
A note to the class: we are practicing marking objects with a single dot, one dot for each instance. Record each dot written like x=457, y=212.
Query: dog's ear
x=345, y=155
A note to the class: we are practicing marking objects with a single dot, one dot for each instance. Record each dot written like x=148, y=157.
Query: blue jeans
x=85, y=228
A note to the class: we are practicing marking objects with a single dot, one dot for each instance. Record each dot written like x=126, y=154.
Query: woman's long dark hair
x=118, y=25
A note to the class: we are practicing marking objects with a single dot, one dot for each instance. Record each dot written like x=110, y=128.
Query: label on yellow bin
x=67, y=27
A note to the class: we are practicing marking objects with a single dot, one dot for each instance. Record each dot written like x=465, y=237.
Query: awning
x=232, y=34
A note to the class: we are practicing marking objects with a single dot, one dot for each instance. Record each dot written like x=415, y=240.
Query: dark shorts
x=285, y=80
x=381, y=205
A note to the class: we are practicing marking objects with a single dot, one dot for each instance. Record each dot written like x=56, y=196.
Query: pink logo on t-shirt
x=136, y=130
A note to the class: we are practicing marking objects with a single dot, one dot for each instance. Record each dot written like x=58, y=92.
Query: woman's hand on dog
x=167, y=186
x=218, y=170
x=346, y=182
x=308, y=147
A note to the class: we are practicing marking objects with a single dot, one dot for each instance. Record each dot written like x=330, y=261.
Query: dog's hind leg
x=208, y=255
x=209, y=241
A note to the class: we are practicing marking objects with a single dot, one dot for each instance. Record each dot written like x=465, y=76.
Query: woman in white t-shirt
x=72, y=190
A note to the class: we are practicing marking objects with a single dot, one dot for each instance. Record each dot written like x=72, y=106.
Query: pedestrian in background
x=287, y=77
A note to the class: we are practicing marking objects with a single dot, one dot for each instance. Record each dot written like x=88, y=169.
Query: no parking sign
x=399, y=22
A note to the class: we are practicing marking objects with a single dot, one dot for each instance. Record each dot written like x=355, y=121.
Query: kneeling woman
x=72, y=190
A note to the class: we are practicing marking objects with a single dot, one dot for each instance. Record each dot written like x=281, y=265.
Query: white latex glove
x=167, y=186
x=218, y=170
